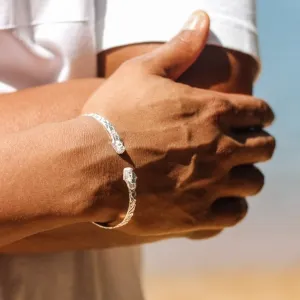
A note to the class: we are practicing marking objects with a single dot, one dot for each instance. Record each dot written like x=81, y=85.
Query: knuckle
x=226, y=149
x=223, y=106
x=218, y=108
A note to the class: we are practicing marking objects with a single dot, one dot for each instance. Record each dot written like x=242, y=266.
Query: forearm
x=50, y=103
x=26, y=203
x=216, y=69
x=18, y=112
x=51, y=176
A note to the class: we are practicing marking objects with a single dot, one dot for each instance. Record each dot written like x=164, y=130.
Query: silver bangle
x=116, y=141
x=128, y=174
x=130, y=178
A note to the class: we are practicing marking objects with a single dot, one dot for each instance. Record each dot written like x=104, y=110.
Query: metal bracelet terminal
x=114, y=136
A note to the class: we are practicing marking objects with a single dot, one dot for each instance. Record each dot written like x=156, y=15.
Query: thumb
x=176, y=56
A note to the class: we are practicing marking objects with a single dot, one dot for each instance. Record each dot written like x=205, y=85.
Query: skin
x=204, y=100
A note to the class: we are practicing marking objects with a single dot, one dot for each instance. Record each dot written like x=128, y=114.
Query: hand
x=192, y=150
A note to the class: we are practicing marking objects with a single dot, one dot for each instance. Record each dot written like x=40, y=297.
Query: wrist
x=101, y=196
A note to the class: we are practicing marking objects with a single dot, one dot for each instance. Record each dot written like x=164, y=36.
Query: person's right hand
x=193, y=150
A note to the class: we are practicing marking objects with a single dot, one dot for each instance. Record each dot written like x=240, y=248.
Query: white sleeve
x=233, y=23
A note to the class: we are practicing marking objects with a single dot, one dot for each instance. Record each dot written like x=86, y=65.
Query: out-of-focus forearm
x=217, y=68
x=50, y=103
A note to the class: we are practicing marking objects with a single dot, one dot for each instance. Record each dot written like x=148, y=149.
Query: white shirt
x=43, y=41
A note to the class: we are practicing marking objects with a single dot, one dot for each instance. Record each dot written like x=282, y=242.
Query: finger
x=226, y=212
x=245, y=149
x=252, y=148
x=174, y=57
x=248, y=112
x=223, y=212
x=243, y=181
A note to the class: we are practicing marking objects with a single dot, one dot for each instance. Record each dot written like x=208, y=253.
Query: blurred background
x=260, y=258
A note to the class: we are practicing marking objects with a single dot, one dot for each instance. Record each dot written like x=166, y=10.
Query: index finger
x=248, y=111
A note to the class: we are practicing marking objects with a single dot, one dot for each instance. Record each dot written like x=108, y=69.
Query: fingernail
x=195, y=21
